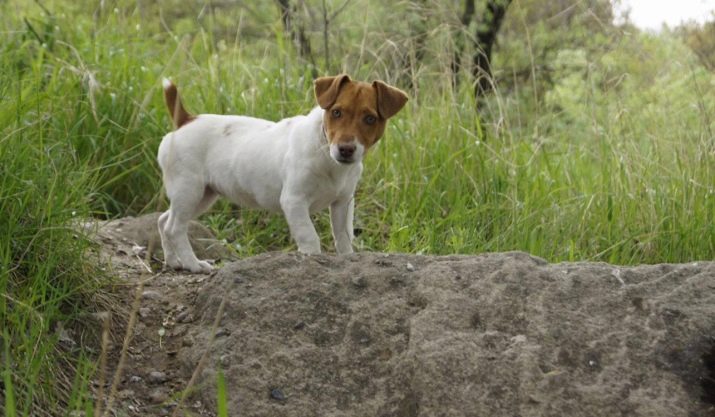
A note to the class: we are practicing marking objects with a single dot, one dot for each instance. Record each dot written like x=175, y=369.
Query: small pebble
x=151, y=295
x=397, y=281
x=222, y=332
x=135, y=379
x=178, y=331
x=125, y=393
x=410, y=267
x=184, y=317
x=157, y=377
x=382, y=262
x=534, y=399
x=144, y=312
x=359, y=281
x=299, y=326
x=277, y=394
x=158, y=396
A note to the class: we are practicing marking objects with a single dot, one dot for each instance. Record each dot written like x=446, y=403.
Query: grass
x=615, y=161
x=45, y=279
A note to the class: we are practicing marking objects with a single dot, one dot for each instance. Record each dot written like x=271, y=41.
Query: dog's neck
x=323, y=134
x=316, y=117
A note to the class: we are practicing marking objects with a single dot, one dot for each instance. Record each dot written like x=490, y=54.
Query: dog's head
x=355, y=114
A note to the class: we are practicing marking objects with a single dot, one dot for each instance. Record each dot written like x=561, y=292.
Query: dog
x=299, y=165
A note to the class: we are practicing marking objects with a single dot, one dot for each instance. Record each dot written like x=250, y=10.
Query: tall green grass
x=45, y=279
x=614, y=162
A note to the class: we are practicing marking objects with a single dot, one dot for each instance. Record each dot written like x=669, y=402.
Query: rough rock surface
x=492, y=335
x=401, y=335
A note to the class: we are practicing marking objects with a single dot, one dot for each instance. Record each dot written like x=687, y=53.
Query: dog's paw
x=309, y=249
x=202, y=267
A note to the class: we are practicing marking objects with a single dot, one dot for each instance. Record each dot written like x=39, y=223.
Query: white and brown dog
x=298, y=165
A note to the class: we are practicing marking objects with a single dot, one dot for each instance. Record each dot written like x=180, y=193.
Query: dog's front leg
x=341, y=220
x=301, y=227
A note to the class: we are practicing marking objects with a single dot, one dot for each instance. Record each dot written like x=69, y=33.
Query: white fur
x=279, y=166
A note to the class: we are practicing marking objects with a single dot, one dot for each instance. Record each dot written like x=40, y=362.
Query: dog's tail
x=178, y=113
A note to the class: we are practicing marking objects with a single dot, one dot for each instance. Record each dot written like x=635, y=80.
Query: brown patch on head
x=355, y=109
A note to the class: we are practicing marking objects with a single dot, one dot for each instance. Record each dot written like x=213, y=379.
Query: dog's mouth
x=345, y=161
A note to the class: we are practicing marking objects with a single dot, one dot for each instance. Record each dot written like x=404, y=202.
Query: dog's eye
x=336, y=113
x=370, y=119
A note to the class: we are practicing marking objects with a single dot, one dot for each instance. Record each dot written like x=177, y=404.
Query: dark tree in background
x=488, y=23
x=486, y=36
x=465, y=20
x=294, y=24
x=296, y=30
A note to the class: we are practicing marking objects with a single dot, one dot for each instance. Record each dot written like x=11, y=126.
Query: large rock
x=143, y=231
x=493, y=335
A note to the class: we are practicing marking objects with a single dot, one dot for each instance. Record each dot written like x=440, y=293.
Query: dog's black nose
x=346, y=151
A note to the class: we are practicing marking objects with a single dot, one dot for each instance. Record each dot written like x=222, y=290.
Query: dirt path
x=153, y=378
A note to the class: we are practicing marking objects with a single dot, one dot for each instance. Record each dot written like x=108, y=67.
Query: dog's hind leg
x=208, y=200
x=170, y=257
x=185, y=205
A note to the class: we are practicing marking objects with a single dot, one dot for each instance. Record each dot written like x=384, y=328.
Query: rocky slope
x=371, y=334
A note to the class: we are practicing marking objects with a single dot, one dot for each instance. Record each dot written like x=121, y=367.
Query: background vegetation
x=595, y=142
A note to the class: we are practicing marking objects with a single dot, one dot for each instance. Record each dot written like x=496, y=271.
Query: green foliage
x=222, y=406
x=47, y=276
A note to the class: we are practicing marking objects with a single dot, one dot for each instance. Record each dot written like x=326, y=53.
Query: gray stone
x=492, y=335
x=157, y=377
x=158, y=396
x=151, y=295
x=143, y=231
x=184, y=317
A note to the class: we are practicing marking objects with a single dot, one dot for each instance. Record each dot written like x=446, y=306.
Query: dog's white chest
x=327, y=191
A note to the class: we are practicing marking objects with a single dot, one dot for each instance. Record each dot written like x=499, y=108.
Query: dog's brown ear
x=390, y=100
x=327, y=89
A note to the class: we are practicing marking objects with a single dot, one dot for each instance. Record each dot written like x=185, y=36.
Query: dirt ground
x=373, y=334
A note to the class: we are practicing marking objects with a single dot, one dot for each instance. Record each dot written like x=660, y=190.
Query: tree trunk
x=297, y=33
x=459, y=41
x=484, y=41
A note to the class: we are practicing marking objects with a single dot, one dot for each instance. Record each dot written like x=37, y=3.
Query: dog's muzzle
x=346, y=153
